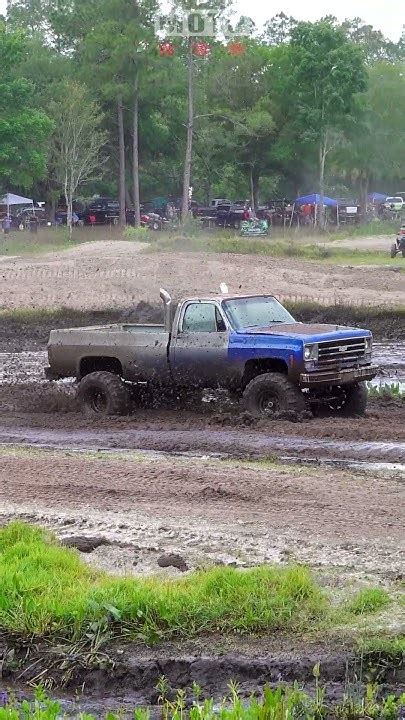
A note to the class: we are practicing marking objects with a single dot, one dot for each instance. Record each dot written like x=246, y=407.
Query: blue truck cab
x=251, y=345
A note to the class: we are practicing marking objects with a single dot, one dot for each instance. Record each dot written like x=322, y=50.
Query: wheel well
x=261, y=366
x=95, y=364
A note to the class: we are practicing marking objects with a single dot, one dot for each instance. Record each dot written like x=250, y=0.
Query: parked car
x=233, y=214
x=395, y=204
x=101, y=211
x=399, y=244
x=247, y=344
x=208, y=210
x=25, y=218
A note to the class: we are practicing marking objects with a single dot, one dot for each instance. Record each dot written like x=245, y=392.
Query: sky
x=385, y=15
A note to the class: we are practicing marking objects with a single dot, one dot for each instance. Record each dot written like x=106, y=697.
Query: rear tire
x=103, y=393
x=393, y=250
x=272, y=393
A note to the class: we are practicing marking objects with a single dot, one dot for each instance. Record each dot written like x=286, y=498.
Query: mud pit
x=121, y=484
x=207, y=510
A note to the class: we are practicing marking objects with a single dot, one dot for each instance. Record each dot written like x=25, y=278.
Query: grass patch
x=387, y=391
x=45, y=590
x=278, y=703
x=55, y=238
x=230, y=243
x=368, y=600
x=46, y=240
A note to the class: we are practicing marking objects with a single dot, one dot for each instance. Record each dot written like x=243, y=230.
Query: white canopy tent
x=11, y=199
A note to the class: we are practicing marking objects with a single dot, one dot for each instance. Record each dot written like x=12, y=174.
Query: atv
x=399, y=244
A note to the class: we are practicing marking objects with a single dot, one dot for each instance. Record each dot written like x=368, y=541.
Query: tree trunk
x=69, y=213
x=364, y=185
x=252, y=197
x=189, y=146
x=135, y=153
x=254, y=189
x=322, y=161
x=121, y=155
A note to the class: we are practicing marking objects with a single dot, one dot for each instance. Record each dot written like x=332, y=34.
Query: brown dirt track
x=209, y=510
x=115, y=274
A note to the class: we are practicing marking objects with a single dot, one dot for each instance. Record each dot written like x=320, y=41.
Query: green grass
x=368, y=600
x=46, y=590
x=389, y=391
x=53, y=239
x=279, y=703
x=228, y=242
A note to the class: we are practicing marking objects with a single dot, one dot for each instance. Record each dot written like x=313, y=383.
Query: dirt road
x=208, y=510
x=116, y=274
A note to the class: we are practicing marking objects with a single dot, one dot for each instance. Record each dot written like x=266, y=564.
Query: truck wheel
x=393, y=250
x=236, y=224
x=103, y=393
x=272, y=393
x=356, y=400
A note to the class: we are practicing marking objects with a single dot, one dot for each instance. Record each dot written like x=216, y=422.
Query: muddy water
x=29, y=366
x=232, y=442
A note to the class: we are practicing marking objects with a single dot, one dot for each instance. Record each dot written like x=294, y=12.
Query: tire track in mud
x=229, y=442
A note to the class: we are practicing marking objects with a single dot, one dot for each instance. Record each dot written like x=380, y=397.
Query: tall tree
x=24, y=130
x=77, y=141
x=328, y=72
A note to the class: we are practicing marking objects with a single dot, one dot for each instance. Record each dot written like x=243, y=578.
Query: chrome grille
x=348, y=351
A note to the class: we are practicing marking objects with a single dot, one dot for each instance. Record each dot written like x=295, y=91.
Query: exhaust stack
x=167, y=301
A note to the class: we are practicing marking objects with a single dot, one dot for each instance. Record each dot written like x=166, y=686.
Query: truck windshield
x=255, y=312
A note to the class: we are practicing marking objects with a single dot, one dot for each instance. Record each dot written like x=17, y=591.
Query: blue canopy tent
x=315, y=199
x=376, y=197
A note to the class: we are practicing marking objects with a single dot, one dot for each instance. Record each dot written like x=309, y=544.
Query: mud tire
x=393, y=250
x=103, y=393
x=270, y=394
x=356, y=400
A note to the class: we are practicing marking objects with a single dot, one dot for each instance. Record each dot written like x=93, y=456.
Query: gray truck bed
x=141, y=349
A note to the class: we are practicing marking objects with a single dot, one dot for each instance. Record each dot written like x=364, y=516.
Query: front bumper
x=338, y=377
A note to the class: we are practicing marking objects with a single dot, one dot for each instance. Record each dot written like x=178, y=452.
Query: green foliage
x=393, y=391
x=278, y=703
x=23, y=129
x=46, y=590
x=368, y=600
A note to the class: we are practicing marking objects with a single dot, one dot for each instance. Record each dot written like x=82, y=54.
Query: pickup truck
x=233, y=214
x=247, y=344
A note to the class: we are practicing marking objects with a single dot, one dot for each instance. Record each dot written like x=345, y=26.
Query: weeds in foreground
x=394, y=391
x=280, y=703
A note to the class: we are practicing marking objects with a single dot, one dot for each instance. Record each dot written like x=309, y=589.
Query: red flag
x=236, y=48
x=201, y=48
x=166, y=49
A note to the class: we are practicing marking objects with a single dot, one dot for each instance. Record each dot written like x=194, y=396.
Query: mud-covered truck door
x=199, y=345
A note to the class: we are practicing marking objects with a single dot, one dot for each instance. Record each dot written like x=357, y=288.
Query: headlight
x=368, y=345
x=311, y=352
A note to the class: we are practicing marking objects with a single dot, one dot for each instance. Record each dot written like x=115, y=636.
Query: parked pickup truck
x=249, y=345
x=233, y=214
